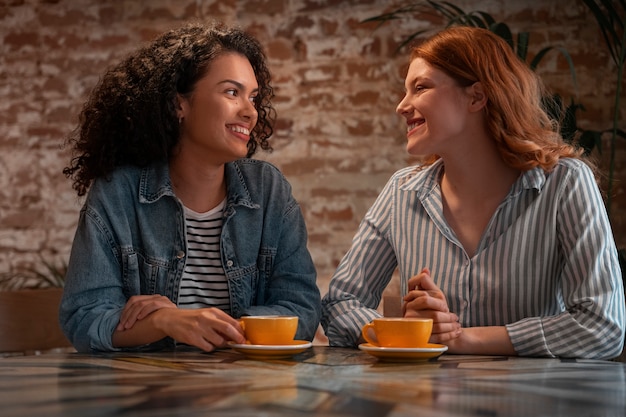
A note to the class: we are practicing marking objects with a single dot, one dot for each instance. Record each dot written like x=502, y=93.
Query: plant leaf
x=590, y=140
x=503, y=30
x=522, y=45
x=535, y=62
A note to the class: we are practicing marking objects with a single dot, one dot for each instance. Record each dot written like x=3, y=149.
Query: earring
x=180, y=120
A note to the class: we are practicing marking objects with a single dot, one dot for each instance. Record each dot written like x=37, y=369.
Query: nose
x=248, y=110
x=403, y=107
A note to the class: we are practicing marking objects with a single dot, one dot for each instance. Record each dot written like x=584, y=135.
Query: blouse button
x=180, y=254
x=229, y=263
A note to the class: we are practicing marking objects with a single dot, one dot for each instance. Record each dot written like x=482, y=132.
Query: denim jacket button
x=180, y=254
x=229, y=263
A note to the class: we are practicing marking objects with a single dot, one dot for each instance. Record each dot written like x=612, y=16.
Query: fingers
x=222, y=332
x=423, y=281
x=139, y=307
x=207, y=328
x=425, y=299
x=423, y=293
x=226, y=328
x=446, y=326
x=415, y=280
x=233, y=323
x=443, y=338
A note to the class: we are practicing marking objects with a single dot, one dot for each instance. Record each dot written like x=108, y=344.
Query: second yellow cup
x=269, y=330
x=398, y=332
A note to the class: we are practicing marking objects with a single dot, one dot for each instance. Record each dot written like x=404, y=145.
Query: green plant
x=611, y=17
x=566, y=114
x=47, y=275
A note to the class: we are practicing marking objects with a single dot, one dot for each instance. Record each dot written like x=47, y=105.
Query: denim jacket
x=131, y=239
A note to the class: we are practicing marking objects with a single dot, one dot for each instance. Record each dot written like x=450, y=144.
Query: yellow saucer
x=272, y=351
x=391, y=354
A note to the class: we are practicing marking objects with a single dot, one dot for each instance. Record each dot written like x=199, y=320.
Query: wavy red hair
x=524, y=133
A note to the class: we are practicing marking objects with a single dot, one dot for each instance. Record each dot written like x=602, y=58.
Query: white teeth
x=239, y=129
x=413, y=126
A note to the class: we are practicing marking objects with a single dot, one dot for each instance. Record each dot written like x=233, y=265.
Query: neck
x=198, y=186
x=478, y=173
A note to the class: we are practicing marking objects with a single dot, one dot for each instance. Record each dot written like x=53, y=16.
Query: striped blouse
x=546, y=266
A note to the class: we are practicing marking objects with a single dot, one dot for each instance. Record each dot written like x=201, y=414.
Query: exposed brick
x=53, y=17
x=22, y=219
x=342, y=214
x=279, y=49
x=19, y=40
x=337, y=81
x=267, y=7
x=296, y=24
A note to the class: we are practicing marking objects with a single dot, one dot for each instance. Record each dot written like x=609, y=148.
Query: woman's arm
x=591, y=324
x=357, y=286
x=206, y=328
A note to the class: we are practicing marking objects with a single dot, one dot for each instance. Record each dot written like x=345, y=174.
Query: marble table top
x=321, y=381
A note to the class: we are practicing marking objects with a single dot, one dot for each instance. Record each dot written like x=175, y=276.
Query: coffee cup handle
x=366, y=336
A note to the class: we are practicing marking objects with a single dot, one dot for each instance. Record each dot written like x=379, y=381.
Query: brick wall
x=337, y=83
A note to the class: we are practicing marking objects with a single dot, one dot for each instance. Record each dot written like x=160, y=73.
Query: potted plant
x=29, y=304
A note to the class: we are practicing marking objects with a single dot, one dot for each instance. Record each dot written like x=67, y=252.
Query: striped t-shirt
x=204, y=283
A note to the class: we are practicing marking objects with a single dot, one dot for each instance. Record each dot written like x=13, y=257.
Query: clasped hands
x=424, y=299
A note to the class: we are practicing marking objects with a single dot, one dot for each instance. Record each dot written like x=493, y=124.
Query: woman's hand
x=425, y=299
x=139, y=307
x=149, y=318
x=206, y=328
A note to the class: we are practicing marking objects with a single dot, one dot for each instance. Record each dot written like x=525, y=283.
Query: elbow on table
x=606, y=345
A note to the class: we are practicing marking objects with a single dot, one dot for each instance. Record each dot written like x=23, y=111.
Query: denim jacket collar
x=155, y=183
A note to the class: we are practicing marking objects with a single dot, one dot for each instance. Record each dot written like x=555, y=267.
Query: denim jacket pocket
x=243, y=283
x=141, y=274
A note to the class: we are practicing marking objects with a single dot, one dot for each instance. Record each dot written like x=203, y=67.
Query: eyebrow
x=413, y=81
x=237, y=84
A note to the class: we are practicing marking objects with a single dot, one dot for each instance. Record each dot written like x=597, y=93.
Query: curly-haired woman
x=501, y=236
x=181, y=233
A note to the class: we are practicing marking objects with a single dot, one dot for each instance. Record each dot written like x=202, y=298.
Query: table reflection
x=320, y=381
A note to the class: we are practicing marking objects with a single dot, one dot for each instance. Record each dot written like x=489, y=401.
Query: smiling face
x=218, y=116
x=436, y=109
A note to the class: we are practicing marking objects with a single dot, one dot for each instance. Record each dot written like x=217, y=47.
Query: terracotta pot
x=29, y=320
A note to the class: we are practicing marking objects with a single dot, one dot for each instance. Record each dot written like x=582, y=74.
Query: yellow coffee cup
x=398, y=332
x=269, y=330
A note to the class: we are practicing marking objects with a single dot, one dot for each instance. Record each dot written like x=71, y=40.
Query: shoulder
x=572, y=170
x=249, y=166
x=110, y=198
x=254, y=172
x=573, y=180
x=256, y=180
x=147, y=184
x=573, y=164
x=122, y=179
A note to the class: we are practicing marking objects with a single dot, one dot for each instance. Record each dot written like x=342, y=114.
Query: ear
x=478, y=97
x=182, y=106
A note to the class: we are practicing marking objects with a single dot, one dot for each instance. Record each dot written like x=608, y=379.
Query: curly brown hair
x=130, y=116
